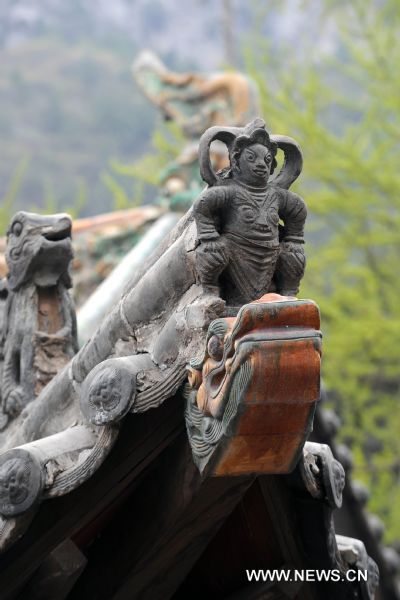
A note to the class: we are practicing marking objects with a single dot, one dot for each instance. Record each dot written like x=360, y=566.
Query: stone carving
x=354, y=554
x=27, y=471
x=159, y=324
x=253, y=392
x=39, y=329
x=194, y=102
x=110, y=388
x=392, y=560
x=322, y=478
x=361, y=492
x=249, y=406
x=323, y=475
x=376, y=526
x=243, y=249
x=20, y=482
x=14, y=481
x=144, y=380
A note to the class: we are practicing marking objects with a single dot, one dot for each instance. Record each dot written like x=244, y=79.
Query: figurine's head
x=253, y=155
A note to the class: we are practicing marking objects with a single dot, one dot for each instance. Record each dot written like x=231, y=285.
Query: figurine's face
x=254, y=165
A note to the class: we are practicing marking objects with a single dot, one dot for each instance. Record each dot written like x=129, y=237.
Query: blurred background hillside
x=71, y=118
x=68, y=104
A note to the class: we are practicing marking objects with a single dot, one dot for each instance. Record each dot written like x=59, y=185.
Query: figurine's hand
x=291, y=247
x=216, y=245
x=290, y=268
x=15, y=402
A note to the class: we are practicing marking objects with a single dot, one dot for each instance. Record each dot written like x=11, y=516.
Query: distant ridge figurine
x=195, y=102
x=38, y=323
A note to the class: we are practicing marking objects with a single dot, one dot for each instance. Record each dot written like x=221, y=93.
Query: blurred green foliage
x=68, y=108
x=344, y=113
x=7, y=202
x=144, y=174
x=49, y=204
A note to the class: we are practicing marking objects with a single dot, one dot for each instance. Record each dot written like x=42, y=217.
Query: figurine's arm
x=211, y=256
x=293, y=213
x=292, y=261
x=206, y=210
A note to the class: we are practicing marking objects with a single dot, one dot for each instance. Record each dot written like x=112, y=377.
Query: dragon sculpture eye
x=215, y=347
x=17, y=228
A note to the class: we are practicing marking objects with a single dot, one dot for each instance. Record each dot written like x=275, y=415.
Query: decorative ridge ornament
x=250, y=229
x=318, y=483
x=39, y=324
x=195, y=102
x=253, y=395
x=235, y=137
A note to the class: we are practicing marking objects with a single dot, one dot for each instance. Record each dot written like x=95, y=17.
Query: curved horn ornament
x=293, y=161
x=227, y=135
x=293, y=158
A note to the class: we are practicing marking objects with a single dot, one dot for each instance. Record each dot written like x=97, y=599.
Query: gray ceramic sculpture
x=38, y=327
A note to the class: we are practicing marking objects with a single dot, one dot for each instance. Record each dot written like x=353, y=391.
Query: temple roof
x=175, y=449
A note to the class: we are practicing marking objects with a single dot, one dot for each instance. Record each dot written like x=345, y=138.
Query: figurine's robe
x=248, y=236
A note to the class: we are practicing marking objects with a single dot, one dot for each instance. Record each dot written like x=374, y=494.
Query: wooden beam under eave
x=82, y=512
x=268, y=591
x=279, y=505
x=246, y=540
x=155, y=540
x=57, y=574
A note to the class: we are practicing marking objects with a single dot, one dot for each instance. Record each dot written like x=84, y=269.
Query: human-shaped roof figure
x=250, y=229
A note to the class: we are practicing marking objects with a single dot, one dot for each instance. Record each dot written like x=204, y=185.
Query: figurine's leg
x=212, y=259
x=290, y=268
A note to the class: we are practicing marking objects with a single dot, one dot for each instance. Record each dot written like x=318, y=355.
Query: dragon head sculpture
x=255, y=389
x=39, y=250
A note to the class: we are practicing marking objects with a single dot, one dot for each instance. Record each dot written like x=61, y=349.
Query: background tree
x=344, y=112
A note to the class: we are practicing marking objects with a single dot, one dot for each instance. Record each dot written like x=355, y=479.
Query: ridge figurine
x=39, y=325
x=244, y=251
